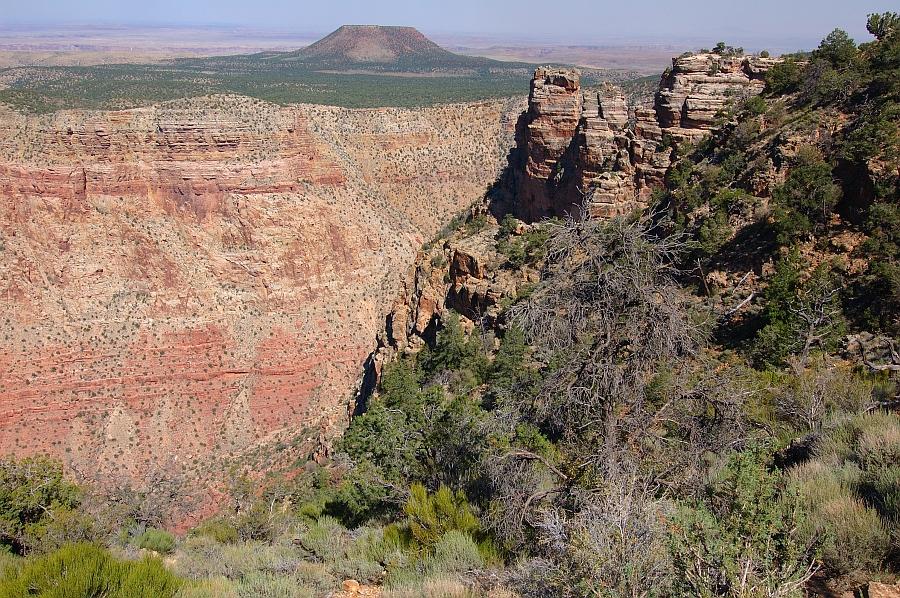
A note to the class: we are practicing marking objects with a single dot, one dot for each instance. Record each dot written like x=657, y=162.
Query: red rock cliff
x=571, y=143
x=195, y=286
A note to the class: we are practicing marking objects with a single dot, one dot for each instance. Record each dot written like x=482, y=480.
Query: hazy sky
x=800, y=23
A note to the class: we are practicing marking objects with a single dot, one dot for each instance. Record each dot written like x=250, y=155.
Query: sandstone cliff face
x=195, y=286
x=567, y=139
x=572, y=143
x=463, y=274
x=697, y=87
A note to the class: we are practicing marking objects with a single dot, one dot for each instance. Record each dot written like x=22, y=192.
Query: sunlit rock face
x=573, y=143
x=194, y=286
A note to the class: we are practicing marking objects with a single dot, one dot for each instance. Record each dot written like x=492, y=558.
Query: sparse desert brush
x=873, y=438
x=202, y=558
x=363, y=557
x=214, y=588
x=315, y=575
x=438, y=587
x=262, y=584
x=851, y=487
x=808, y=397
x=455, y=552
x=854, y=536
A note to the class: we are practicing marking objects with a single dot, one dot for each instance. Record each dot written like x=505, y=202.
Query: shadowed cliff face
x=195, y=286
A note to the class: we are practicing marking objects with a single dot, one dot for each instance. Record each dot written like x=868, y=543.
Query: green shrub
x=157, y=540
x=713, y=233
x=803, y=203
x=87, y=571
x=837, y=48
x=756, y=106
x=852, y=489
x=432, y=516
x=799, y=315
x=476, y=225
x=508, y=361
x=851, y=536
x=783, y=77
x=808, y=397
x=453, y=350
x=513, y=250
x=854, y=536
x=326, y=539
x=32, y=490
x=508, y=226
x=362, y=493
x=743, y=538
x=219, y=529
x=67, y=526
x=456, y=551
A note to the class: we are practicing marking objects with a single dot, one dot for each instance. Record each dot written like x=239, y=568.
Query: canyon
x=190, y=289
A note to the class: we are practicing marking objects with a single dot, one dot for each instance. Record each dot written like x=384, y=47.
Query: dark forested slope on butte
x=683, y=385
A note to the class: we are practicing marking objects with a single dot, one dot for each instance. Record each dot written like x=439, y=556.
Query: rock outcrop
x=463, y=274
x=466, y=274
x=194, y=286
x=697, y=86
x=566, y=140
x=572, y=143
x=882, y=590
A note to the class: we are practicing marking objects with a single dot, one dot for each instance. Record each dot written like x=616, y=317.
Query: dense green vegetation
x=85, y=570
x=607, y=452
x=111, y=87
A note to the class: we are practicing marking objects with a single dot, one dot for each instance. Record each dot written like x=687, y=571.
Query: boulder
x=882, y=590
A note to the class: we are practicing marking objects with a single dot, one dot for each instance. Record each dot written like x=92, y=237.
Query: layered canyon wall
x=190, y=289
x=194, y=286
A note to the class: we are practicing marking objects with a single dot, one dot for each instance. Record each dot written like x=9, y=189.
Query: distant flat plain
x=85, y=45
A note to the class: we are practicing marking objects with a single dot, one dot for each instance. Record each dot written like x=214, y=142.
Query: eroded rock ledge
x=571, y=142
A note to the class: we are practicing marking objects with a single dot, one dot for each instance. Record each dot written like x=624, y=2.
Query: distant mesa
x=373, y=43
x=377, y=48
